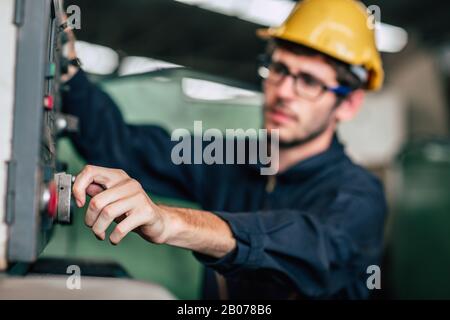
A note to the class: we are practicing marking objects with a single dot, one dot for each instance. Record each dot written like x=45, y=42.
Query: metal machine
x=34, y=194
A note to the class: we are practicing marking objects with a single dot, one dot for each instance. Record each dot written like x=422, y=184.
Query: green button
x=51, y=70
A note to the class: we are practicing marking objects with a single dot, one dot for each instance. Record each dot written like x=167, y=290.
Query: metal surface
x=66, y=123
x=64, y=187
x=33, y=205
x=25, y=240
x=90, y=288
x=8, y=34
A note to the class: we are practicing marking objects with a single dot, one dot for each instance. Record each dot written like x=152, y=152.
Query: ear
x=349, y=108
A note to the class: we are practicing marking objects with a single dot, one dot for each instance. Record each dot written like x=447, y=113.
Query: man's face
x=296, y=117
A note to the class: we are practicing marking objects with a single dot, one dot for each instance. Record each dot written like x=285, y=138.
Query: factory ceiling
x=220, y=44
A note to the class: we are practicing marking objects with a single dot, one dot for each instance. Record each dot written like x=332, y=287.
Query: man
x=311, y=230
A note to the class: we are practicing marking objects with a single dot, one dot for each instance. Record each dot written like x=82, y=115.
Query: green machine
x=419, y=260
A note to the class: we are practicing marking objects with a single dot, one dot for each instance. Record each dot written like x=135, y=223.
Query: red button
x=49, y=102
x=52, y=207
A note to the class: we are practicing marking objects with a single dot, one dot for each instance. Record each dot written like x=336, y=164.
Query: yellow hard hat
x=338, y=28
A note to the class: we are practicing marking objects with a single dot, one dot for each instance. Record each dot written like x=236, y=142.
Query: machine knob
x=63, y=183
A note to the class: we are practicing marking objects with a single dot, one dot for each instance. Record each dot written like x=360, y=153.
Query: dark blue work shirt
x=312, y=236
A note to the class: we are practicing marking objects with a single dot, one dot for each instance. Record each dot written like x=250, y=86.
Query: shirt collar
x=314, y=164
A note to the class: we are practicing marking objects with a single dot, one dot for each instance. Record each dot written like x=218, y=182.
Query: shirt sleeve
x=318, y=256
x=144, y=152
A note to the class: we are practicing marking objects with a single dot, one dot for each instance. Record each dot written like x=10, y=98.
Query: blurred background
x=172, y=62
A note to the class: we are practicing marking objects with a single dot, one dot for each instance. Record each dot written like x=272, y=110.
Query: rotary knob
x=63, y=183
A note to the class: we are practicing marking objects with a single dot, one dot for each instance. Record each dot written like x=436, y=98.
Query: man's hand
x=117, y=197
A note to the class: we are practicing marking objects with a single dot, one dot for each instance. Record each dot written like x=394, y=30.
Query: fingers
x=133, y=221
x=115, y=197
x=91, y=174
x=116, y=211
x=94, y=189
x=123, y=190
x=70, y=51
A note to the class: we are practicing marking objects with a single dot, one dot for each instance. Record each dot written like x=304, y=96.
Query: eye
x=279, y=68
x=309, y=80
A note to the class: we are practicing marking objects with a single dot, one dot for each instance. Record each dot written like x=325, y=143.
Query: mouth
x=279, y=117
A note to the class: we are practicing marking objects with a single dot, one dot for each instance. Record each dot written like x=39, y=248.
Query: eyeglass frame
x=266, y=61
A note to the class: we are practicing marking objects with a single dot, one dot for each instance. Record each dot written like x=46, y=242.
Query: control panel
x=35, y=192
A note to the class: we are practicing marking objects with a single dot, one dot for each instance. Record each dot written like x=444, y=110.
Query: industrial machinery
x=34, y=193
